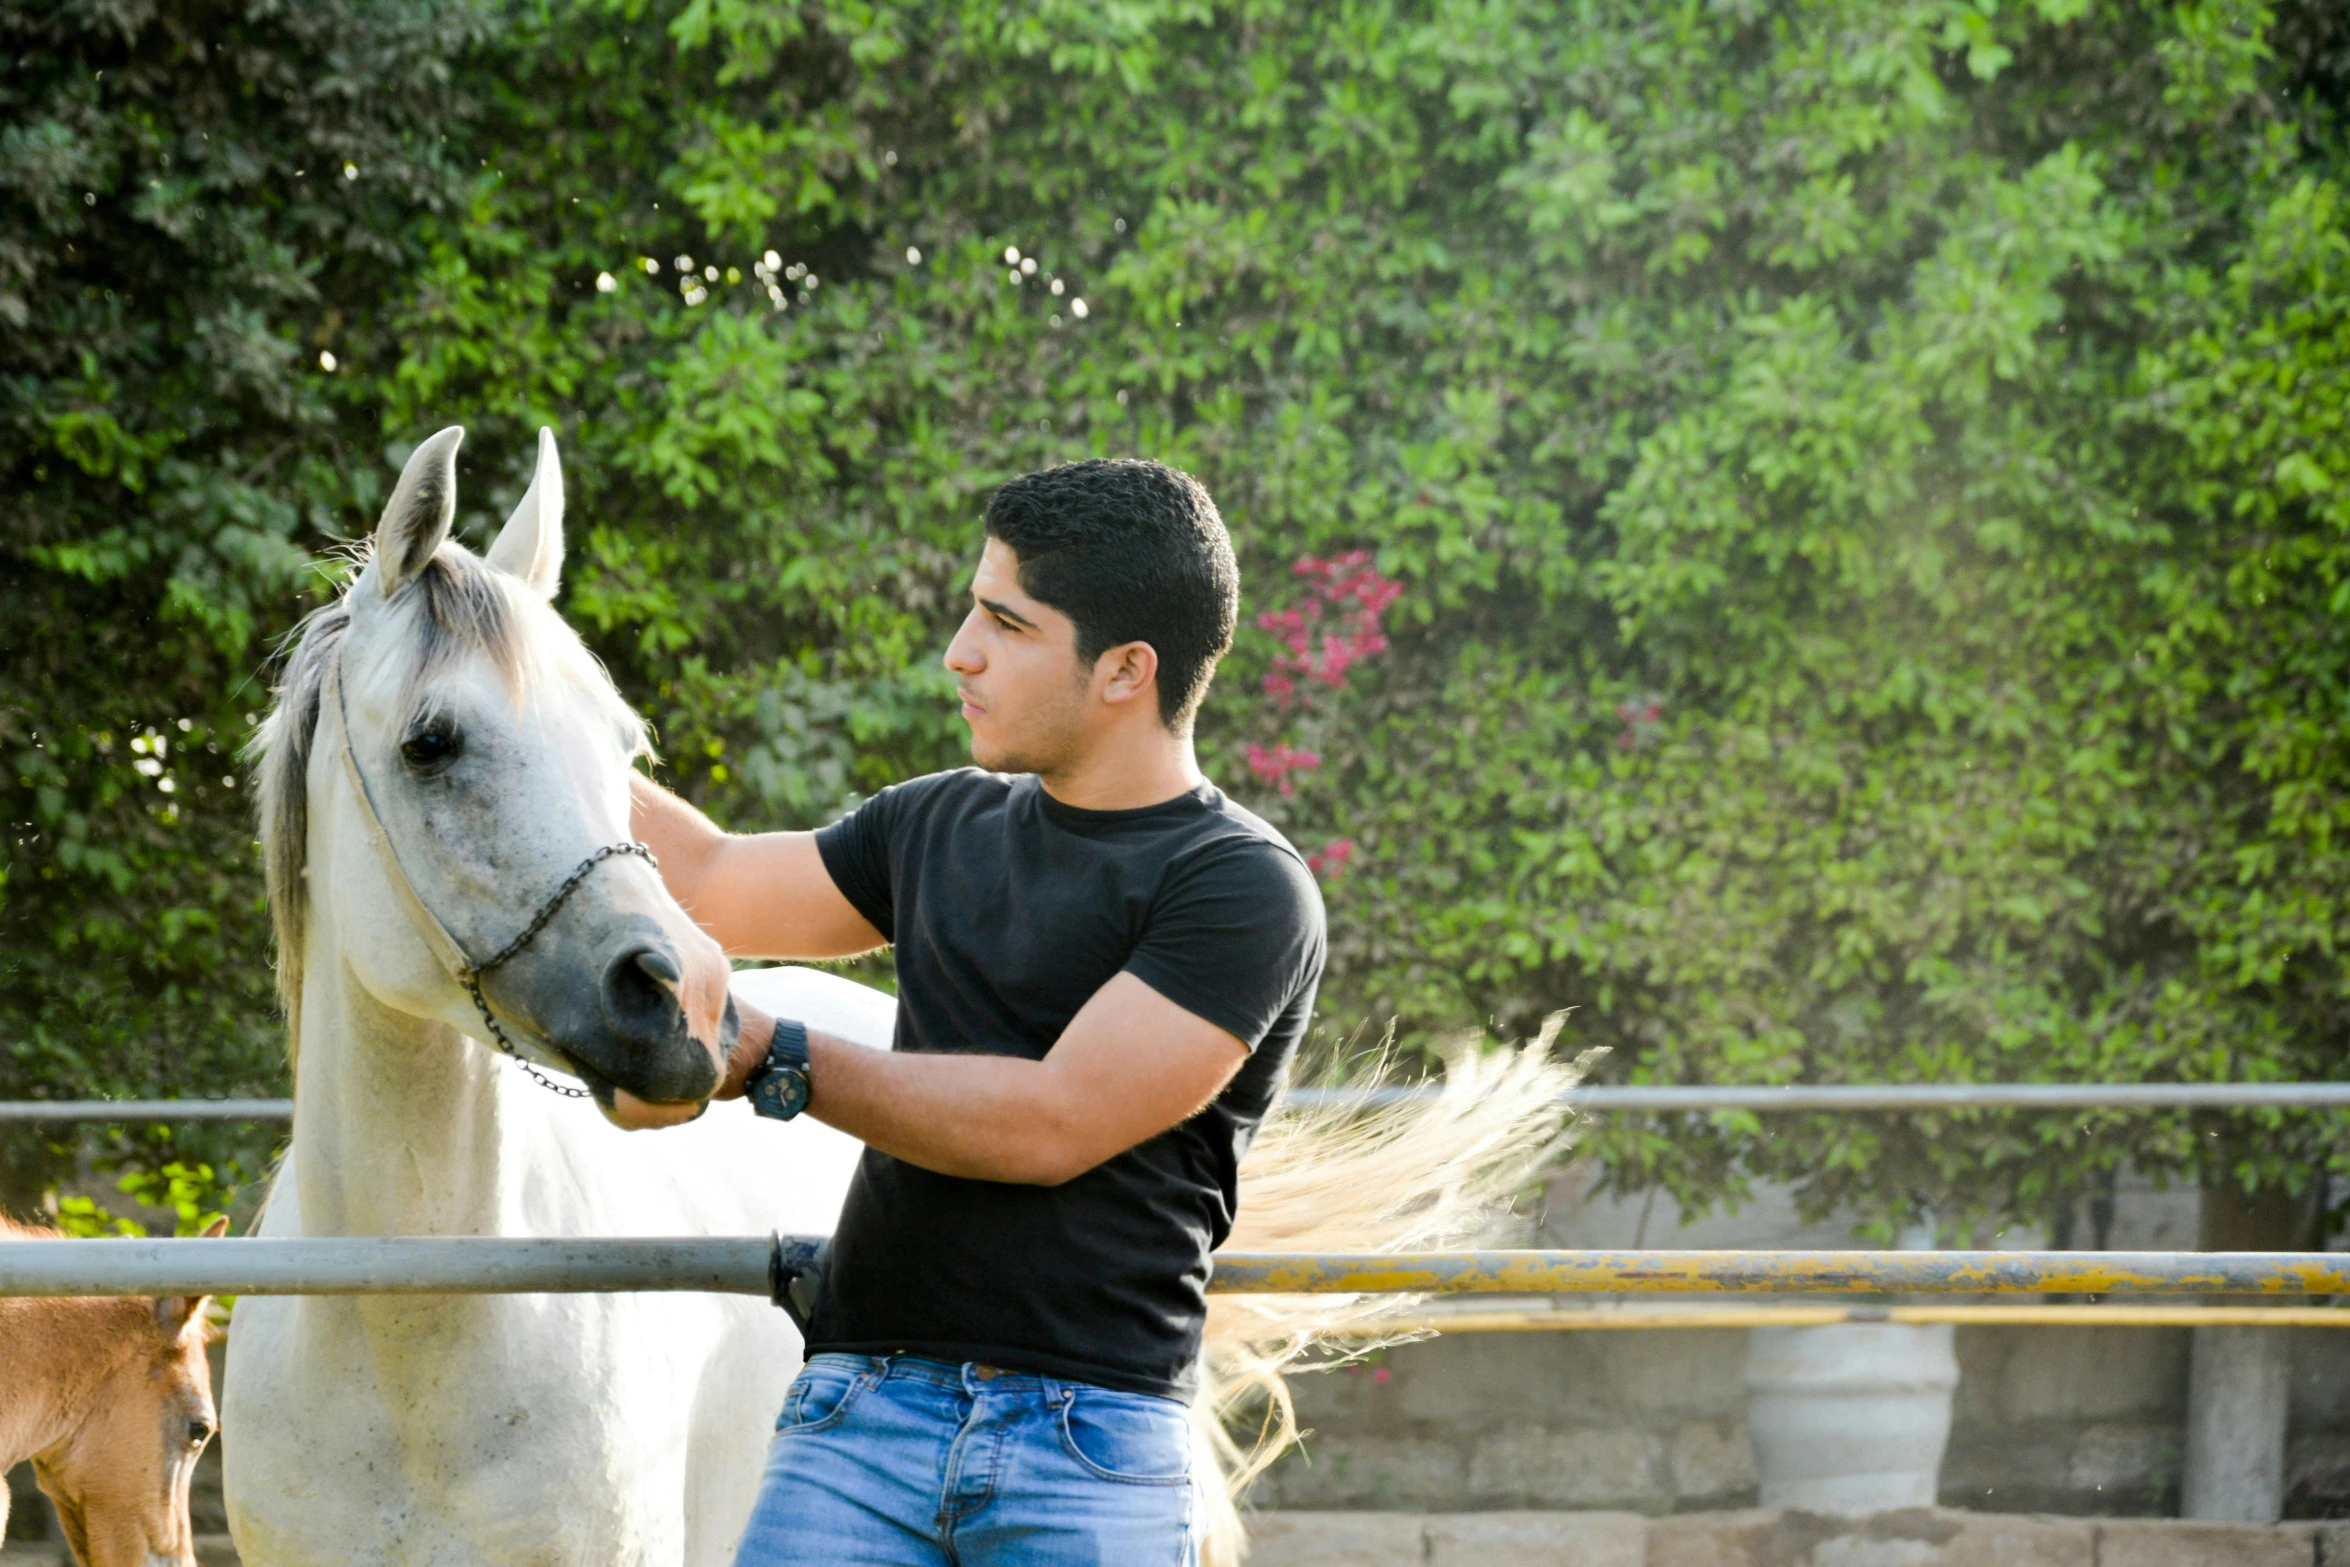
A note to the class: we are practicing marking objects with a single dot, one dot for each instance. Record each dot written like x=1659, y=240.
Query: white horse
x=444, y=761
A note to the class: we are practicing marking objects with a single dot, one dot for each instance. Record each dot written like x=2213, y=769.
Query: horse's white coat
x=465, y=1430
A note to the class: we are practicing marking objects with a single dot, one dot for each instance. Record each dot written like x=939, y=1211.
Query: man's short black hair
x=1132, y=551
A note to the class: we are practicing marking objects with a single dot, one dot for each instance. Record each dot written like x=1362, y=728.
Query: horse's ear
x=178, y=1314
x=530, y=546
x=173, y=1313
x=417, y=517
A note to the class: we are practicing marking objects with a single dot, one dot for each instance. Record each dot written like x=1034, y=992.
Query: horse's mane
x=10, y=1229
x=457, y=604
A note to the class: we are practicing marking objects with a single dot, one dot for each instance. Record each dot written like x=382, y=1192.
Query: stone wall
x=1916, y=1537
x=2047, y=1420
x=2071, y=1420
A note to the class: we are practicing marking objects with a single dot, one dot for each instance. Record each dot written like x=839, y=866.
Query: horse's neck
x=401, y=1123
x=51, y=1364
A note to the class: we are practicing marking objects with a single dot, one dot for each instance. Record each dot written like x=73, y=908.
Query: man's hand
x=762, y=895
x=1130, y=1065
x=750, y=1052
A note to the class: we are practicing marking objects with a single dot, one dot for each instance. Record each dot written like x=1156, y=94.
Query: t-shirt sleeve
x=855, y=851
x=1235, y=936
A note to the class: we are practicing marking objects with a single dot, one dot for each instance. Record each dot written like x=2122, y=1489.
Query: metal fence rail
x=1560, y=1318
x=54, y=1112
x=1697, y=1099
x=1789, y=1272
x=1906, y=1096
x=746, y=1265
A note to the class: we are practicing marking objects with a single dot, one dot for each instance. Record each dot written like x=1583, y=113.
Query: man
x=1103, y=968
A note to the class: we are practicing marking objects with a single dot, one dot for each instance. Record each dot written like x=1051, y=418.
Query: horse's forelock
x=461, y=605
x=467, y=607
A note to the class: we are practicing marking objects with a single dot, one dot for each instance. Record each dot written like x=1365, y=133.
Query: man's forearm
x=988, y=1118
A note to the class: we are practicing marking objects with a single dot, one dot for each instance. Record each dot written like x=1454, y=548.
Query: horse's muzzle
x=646, y=1044
x=627, y=1023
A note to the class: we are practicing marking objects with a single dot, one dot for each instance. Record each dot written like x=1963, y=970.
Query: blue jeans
x=906, y=1462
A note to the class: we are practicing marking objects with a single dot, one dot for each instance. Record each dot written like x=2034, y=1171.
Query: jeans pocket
x=821, y=1395
x=1128, y=1437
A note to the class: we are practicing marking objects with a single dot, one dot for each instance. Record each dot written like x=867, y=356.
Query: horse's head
x=120, y=1479
x=461, y=757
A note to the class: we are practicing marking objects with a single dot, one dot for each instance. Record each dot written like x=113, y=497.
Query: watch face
x=781, y=1094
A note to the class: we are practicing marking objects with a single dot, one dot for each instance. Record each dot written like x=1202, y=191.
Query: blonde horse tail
x=1423, y=1173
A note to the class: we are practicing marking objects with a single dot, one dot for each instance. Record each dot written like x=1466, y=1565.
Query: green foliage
x=1865, y=478
x=197, y=201
x=193, y=1194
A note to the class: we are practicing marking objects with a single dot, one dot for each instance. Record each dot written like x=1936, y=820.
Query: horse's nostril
x=640, y=995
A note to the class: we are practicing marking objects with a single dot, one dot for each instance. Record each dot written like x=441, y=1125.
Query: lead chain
x=471, y=977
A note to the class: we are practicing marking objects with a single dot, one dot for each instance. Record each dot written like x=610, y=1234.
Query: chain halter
x=445, y=946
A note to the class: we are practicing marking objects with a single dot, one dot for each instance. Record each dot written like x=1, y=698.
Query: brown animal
x=112, y=1400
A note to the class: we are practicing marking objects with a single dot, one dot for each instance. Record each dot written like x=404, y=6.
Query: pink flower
x=1641, y=720
x=1276, y=763
x=1336, y=627
x=1382, y=1375
x=1332, y=858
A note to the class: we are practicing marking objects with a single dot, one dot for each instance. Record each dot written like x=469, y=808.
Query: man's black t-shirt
x=1008, y=910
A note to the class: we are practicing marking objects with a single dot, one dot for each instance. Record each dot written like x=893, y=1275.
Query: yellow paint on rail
x=2055, y=1316
x=2276, y=1274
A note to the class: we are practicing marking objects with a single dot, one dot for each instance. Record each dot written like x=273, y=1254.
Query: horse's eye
x=433, y=746
x=199, y=1432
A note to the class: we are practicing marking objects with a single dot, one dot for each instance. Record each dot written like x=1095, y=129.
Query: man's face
x=1025, y=695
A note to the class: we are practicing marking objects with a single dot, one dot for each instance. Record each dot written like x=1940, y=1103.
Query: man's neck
x=1130, y=773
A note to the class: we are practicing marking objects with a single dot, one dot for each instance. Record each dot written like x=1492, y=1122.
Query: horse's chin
x=631, y=1114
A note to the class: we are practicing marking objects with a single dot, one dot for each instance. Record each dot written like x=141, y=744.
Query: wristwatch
x=778, y=1087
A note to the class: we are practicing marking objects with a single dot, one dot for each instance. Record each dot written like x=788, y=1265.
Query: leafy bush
x=197, y=200
x=1848, y=495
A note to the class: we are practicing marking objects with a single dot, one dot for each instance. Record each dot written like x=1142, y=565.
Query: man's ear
x=1132, y=669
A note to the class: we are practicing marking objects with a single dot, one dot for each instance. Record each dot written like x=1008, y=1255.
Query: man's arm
x=1130, y=1065
x=762, y=895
